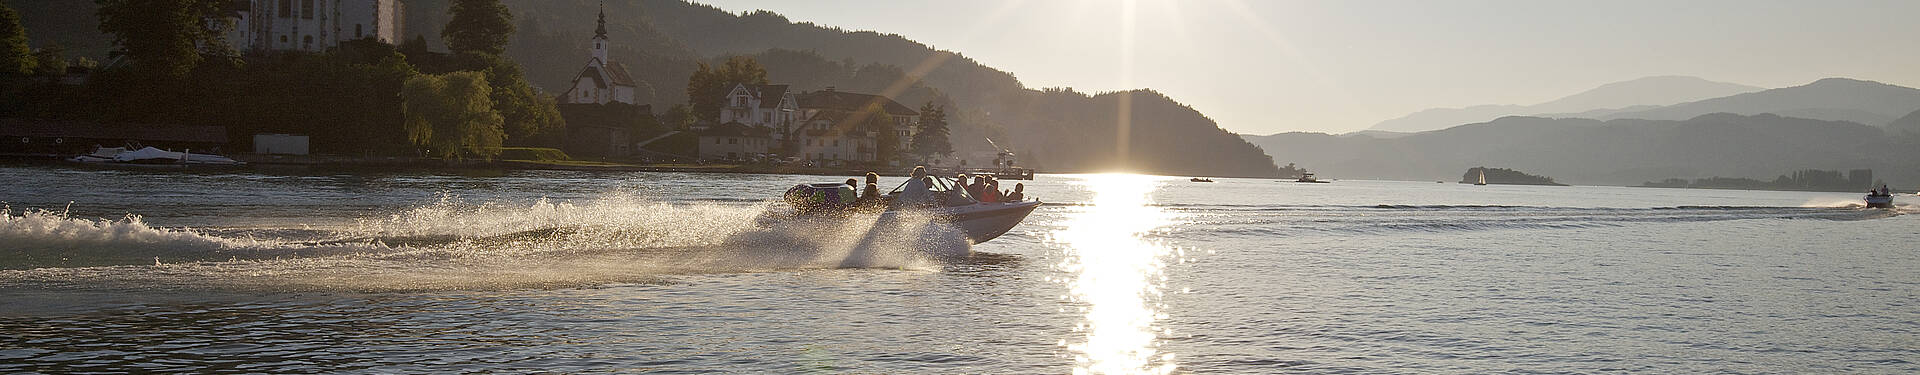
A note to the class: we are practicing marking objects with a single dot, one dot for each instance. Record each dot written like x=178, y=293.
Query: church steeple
x=600, y=37
x=602, y=31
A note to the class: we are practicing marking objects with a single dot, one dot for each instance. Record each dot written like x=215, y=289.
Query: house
x=734, y=141
x=906, y=121
x=771, y=106
x=832, y=135
x=603, y=80
x=313, y=25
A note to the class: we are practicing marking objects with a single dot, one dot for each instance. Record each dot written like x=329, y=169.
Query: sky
x=1262, y=67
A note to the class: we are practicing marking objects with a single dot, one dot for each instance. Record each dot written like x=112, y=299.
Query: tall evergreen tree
x=932, y=138
x=483, y=26
x=15, y=56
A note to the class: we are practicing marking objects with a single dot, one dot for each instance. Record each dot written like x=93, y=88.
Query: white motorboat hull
x=1879, y=201
x=984, y=221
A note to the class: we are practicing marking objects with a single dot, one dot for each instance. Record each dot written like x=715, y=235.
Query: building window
x=283, y=39
x=733, y=141
x=356, y=31
x=306, y=9
x=716, y=141
x=836, y=156
x=766, y=118
x=836, y=143
x=286, y=9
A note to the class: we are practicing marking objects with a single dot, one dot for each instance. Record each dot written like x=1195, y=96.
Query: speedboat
x=982, y=221
x=1879, y=198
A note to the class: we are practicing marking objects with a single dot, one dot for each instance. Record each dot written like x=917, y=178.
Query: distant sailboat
x=1483, y=178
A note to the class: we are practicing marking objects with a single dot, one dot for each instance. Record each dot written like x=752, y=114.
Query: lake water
x=664, y=272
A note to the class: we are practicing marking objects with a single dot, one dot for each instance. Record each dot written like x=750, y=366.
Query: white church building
x=314, y=25
x=603, y=80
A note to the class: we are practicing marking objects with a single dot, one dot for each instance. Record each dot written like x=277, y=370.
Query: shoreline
x=399, y=164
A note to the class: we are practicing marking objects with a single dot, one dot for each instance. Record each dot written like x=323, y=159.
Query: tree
x=453, y=115
x=932, y=138
x=677, y=117
x=707, y=87
x=15, y=56
x=50, y=61
x=165, y=38
x=531, y=118
x=482, y=26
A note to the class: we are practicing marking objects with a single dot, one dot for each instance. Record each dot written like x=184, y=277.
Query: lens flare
x=1117, y=275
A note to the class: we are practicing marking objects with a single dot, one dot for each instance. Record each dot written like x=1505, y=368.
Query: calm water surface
x=674, y=273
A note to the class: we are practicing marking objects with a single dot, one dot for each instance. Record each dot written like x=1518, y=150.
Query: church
x=603, y=80
x=599, y=106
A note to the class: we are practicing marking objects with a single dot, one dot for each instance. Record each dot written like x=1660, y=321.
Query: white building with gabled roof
x=603, y=80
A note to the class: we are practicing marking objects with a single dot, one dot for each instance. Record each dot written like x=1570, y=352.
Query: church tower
x=600, y=38
x=603, y=80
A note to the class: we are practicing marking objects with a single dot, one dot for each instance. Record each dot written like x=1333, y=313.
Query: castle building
x=313, y=25
x=603, y=80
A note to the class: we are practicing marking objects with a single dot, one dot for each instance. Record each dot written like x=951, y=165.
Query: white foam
x=452, y=244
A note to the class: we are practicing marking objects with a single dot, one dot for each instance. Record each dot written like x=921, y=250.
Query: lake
x=522, y=271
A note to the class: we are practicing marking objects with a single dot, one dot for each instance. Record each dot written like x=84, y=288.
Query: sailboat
x=1483, y=179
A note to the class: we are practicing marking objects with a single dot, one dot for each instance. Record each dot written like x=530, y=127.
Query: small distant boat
x=1197, y=179
x=149, y=156
x=1307, y=177
x=1879, y=198
x=1483, y=179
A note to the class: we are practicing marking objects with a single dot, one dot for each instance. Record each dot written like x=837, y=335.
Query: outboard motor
x=821, y=197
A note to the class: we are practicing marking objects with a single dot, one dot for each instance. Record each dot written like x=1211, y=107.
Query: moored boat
x=149, y=156
x=1307, y=177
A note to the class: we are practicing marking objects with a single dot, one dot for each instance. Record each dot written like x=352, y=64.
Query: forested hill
x=661, y=42
x=1056, y=130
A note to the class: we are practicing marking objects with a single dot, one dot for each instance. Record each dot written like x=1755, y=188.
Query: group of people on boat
x=1882, y=191
x=919, y=189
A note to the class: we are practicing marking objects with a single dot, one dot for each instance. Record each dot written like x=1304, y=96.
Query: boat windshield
x=944, y=187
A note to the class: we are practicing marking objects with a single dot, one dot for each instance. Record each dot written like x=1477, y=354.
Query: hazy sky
x=1335, y=66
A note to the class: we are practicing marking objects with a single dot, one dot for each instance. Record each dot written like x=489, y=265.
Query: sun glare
x=1117, y=276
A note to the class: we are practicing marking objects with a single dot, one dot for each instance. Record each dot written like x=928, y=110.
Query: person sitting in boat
x=990, y=191
x=918, y=189
x=871, y=194
x=978, y=188
x=1018, y=193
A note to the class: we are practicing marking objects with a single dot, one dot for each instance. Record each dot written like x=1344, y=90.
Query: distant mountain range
x=1836, y=99
x=1613, y=152
x=1627, y=96
x=1832, y=124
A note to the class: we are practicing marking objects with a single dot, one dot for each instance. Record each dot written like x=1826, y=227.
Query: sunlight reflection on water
x=1117, y=276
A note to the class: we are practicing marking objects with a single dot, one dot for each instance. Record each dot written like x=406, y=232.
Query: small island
x=1503, y=176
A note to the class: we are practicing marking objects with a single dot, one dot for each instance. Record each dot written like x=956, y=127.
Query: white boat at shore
x=149, y=156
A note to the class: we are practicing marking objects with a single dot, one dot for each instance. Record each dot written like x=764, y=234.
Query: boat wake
x=452, y=244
